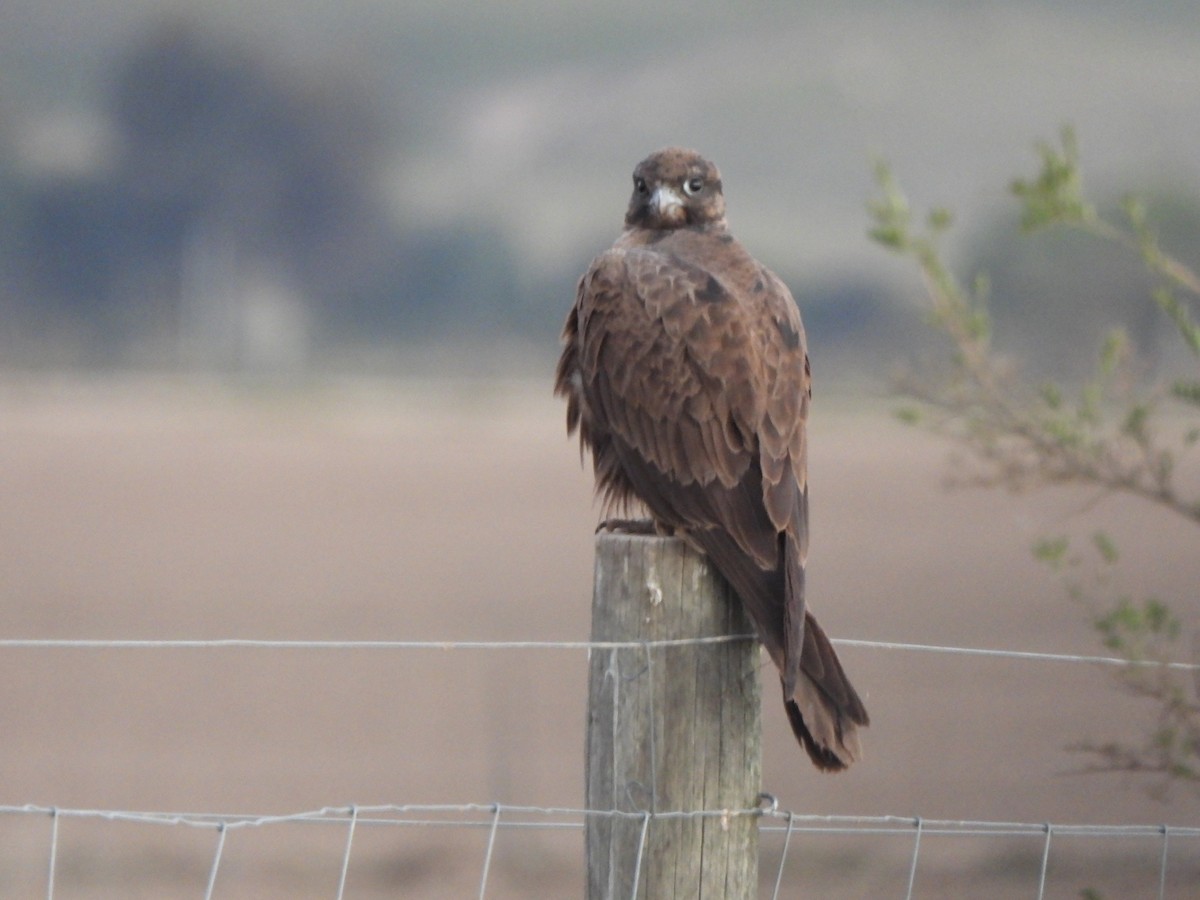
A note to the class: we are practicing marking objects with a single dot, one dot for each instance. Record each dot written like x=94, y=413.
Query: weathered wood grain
x=670, y=729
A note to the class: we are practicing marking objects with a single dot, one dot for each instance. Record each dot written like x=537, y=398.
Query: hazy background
x=280, y=289
x=276, y=187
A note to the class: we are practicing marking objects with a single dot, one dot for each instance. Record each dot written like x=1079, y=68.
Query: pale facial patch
x=664, y=198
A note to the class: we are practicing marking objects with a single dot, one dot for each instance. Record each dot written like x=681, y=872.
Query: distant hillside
x=501, y=138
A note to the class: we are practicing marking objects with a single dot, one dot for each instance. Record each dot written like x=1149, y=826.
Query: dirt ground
x=423, y=511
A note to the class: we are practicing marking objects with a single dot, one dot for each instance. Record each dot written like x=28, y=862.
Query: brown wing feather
x=650, y=366
x=692, y=392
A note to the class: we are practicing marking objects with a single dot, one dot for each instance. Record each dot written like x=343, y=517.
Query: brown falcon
x=685, y=370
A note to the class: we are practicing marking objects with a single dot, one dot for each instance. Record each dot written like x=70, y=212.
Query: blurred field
x=460, y=511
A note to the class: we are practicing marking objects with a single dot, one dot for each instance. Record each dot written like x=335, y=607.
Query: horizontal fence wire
x=514, y=816
x=285, y=644
x=497, y=816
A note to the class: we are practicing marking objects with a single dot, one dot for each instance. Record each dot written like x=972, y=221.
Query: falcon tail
x=825, y=711
x=822, y=706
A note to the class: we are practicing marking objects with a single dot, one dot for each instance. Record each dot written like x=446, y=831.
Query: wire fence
x=269, y=644
x=495, y=816
x=785, y=826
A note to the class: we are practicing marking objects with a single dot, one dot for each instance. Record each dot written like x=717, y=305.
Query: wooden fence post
x=670, y=729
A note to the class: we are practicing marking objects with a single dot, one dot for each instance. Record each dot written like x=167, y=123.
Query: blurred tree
x=854, y=325
x=1053, y=294
x=240, y=217
x=235, y=173
x=10, y=216
x=1115, y=437
x=469, y=275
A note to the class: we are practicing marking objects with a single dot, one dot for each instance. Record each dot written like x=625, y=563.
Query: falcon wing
x=693, y=401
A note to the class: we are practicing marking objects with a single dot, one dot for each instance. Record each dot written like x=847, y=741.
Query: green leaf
x=1181, y=315
x=1056, y=194
x=890, y=236
x=1105, y=546
x=1064, y=432
x=1052, y=395
x=1135, y=424
x=890, y=212
x=979, y=324
x=1114, y=351
x=1187, y=391
x=1052, y=550
x=1160, y=619
x=1134, y=208
x=940, y=219
x=1123, y=619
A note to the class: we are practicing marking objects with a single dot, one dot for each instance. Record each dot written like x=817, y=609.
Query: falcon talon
x=627, y=526
x=685, y=370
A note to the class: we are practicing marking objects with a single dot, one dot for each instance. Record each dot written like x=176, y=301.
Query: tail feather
x=822, y=756
x=824, y=710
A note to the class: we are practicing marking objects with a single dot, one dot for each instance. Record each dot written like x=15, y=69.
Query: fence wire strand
x=1045, y=862
x=53, y=854
x=787, y=843
x=912, y=868
x=346, y=855
x=1162, y=866
x=637, y=867
x=487, y=859
x=222, y=831
x=494, y=816
x=516, y=816
x=285, y=644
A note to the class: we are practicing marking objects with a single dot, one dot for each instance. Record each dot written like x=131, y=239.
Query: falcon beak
x=668, y=205
x=665, y=200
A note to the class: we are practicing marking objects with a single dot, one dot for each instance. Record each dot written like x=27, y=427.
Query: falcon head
x=674, y=188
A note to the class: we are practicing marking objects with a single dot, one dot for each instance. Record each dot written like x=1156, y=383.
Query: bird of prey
x=685, y=371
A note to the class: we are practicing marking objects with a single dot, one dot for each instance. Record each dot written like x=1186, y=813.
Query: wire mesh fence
x=497, y=848
x=786, y=833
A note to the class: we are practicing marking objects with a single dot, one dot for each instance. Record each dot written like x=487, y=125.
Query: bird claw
x=627, y=526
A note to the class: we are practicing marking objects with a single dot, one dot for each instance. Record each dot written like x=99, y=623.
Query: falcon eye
x=639, y=184
x=693, y=185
